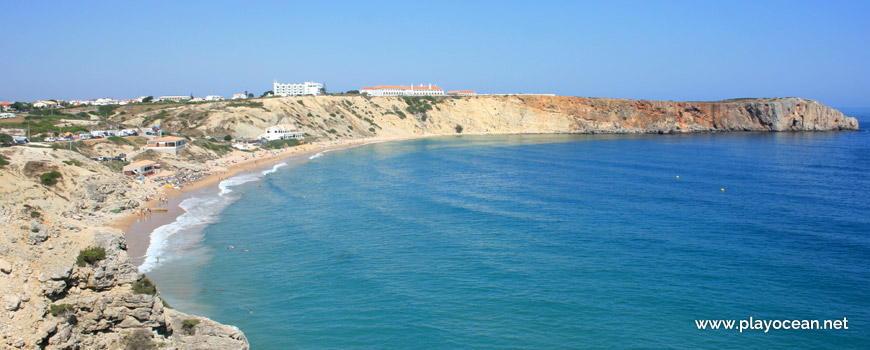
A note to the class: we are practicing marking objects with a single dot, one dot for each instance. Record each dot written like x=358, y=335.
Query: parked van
x=20, y=139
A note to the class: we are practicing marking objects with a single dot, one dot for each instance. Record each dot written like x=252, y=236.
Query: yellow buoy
x=678, y=176
x=723, y=190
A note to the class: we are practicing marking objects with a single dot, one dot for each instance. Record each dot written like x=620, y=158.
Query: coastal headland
x=66, y=277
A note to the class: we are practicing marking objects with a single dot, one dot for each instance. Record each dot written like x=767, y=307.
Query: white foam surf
x=199, y=212
x=274, y=168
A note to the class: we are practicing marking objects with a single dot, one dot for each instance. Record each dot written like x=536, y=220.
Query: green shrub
x=401, y=114
x=332, y=131
x=90, y=256
x=144, y=286
x=3, y=161
x=140, y=339
x=250, y=104
x=72, y=162
x=34, y=230
x=6, y=140
x=189, y=326
x=60, y=309
x=372, y=129
x=458, y=128
x=166, y=304
x=300, y=102
x=228, y=138
x=49, y=178
x=280, y=144
x=34, y=214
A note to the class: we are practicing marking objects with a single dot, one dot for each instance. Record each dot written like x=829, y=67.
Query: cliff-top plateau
x=66, y=279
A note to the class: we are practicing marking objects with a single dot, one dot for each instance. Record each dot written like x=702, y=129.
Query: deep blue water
x=542, y=242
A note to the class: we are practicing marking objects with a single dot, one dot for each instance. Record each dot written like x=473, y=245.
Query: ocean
x=535, y=241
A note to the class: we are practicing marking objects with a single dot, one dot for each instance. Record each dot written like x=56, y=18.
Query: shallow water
x=542, y=241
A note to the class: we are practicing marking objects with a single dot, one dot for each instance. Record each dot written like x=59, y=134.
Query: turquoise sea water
x=541, y=241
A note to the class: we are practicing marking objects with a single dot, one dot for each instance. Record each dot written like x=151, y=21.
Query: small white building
x=293, y=89
x=461, y=93
x=239, y=96
x=399, y=90
x=167, y=144
x=7, y=115
x=280, y=132
x=43, y=104
x=176, y=98
x=213, y=98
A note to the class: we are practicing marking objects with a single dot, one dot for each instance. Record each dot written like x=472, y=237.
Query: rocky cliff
x=350, y=117
x=51, y=300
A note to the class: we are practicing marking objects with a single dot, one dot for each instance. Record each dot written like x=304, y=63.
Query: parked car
x=20, y=139
x=50, y=139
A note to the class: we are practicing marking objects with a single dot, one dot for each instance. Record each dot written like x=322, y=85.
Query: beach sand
x=138, y=228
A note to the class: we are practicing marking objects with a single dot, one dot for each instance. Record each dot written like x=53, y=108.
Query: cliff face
x=51, y=302
x=349, y=117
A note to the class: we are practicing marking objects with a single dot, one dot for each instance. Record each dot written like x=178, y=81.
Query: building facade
x=306, y=88
x=280, y=132
x=461, y=93
x=167, y=144
x=176, y=98
x=399, y=90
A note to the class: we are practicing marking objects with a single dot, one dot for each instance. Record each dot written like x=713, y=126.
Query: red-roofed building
x=461, y=93
x=399, y=90
x=5, y=106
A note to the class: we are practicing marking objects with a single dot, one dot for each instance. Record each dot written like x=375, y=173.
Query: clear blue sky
x=664, y=50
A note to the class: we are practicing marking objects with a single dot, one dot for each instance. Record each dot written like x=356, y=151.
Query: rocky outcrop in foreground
x=52, y=299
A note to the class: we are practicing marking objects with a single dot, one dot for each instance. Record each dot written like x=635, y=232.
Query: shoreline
x=138, y=229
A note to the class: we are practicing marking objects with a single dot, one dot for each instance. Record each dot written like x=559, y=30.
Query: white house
x=291, y=89
x=43, y=104
x=213, y=98
x=239, y=96
x=461, y=93
x=280, y=132
x=399, y=90
x=167, y=144
x=7, y=115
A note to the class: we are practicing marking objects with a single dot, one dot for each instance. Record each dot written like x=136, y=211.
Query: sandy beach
x=138, y=228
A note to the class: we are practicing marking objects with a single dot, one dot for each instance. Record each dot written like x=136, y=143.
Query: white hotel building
x=306, y=88
x=385, y=90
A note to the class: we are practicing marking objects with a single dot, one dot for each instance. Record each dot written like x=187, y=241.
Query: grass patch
x=144, y=286
x=72, y=162
x=214, y=147
x=120, y=141
x=90, y=256
x=249, y=104
x=3, y=161
x=189, y=326
x=60, y=309
x=49, y=178
x=166, y=304
x=35, y=214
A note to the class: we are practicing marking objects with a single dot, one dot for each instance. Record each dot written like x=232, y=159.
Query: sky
x=654, y=50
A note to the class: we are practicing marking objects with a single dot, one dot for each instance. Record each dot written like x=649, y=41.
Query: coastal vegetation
x=276, y=144
x=144, y=286
x=3, y=161
x=49, y=178
x=60, y=309
x=90, y=256
x=120, y=140
x=249, y=104
x=189, y=326
x=458, y=129
x=6, y=140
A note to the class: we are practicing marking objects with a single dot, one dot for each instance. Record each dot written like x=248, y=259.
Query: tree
x=228, y=138
x=323, y=91
x=267, y=93
x=250, y=95
x=106, y=110
x=19, y=106
x=352, y=92
x=148, y=99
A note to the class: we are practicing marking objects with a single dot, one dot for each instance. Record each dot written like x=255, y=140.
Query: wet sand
x=138, y=228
